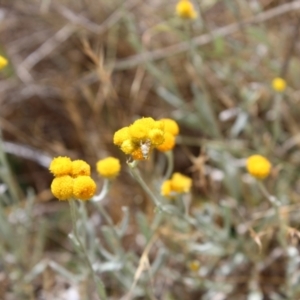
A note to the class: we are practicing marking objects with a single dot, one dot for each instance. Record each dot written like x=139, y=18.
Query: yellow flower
x=61, y=166
x=156, y=136
x=168, y=143
x=181, y=183
x=194, y=265
x=166, y=188
x=62, y=187
x=185, y=9
x=258, y=166
x=279, y=84
x=138, y=131
x=128, y=146
x=84, y=187
x=109, y=167
x=171, y=126
x=140, y=138
x=137, y=154
x=3, y=62
x=121, y=135
x=80, y=168
x=178, y=184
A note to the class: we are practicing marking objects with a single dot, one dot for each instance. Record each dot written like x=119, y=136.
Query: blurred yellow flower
x=3, y=62
x=168, y=143
x=185, y=9
x=258, y=166
x=62, y=187
x=166, y=188
x=80, y=168
x=171, y=126
x=194, y=265
x=181, y=183
x=61, y=166
x=109, y=167
x=279, y=84
x=84, y=187
x=178, y=184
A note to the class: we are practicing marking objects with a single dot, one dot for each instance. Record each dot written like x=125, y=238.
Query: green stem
x=99, y=284
x=137, y=176
x=170, y=164
x=276, y=205
x=104, y=191
x=277, y=120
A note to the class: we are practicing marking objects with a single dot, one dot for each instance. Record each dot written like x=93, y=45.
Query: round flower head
x=62, y=187
x=121, y=135
x=84, y=188
x=181, y=183
x=171, y=126
x=185, y=9
x=138, y=132
x=279, y=84
x=80, y=168
x=258, y=166
x=166, y=188
x=3, y=62
x=109, y=167
x=156, y=136
x=61, y=166
x=128, y=146
x=194, y=265
x=168, y=143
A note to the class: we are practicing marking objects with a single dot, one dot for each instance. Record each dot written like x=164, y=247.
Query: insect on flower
x=145, y=148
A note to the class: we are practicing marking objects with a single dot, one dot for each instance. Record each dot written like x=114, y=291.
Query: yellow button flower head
x=171, y=126
x=121, y=135
x=279, y=84
x=258, y=166
x=185, y=9
x=61, y=166
x=3, y=62
x=166, y=188
x=84, y=187
x=140, y=138
x=128, y=146
x=80, y=168
x=62, y=187
x=178, y=184
x=181, y=183
x=140, y=128
x=109, y=167
x=168, y=144
x=156, y=136
x=194, y=265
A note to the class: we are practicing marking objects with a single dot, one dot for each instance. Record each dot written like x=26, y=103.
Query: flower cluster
x=145, y=134
x=279, y=84
x=3, y=62
x=185, y=9
x=72, y=179
x=109, y=167
x=258, y=166
x=178, y=184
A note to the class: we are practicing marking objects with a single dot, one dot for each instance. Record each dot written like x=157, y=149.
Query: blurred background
x=81, y=69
